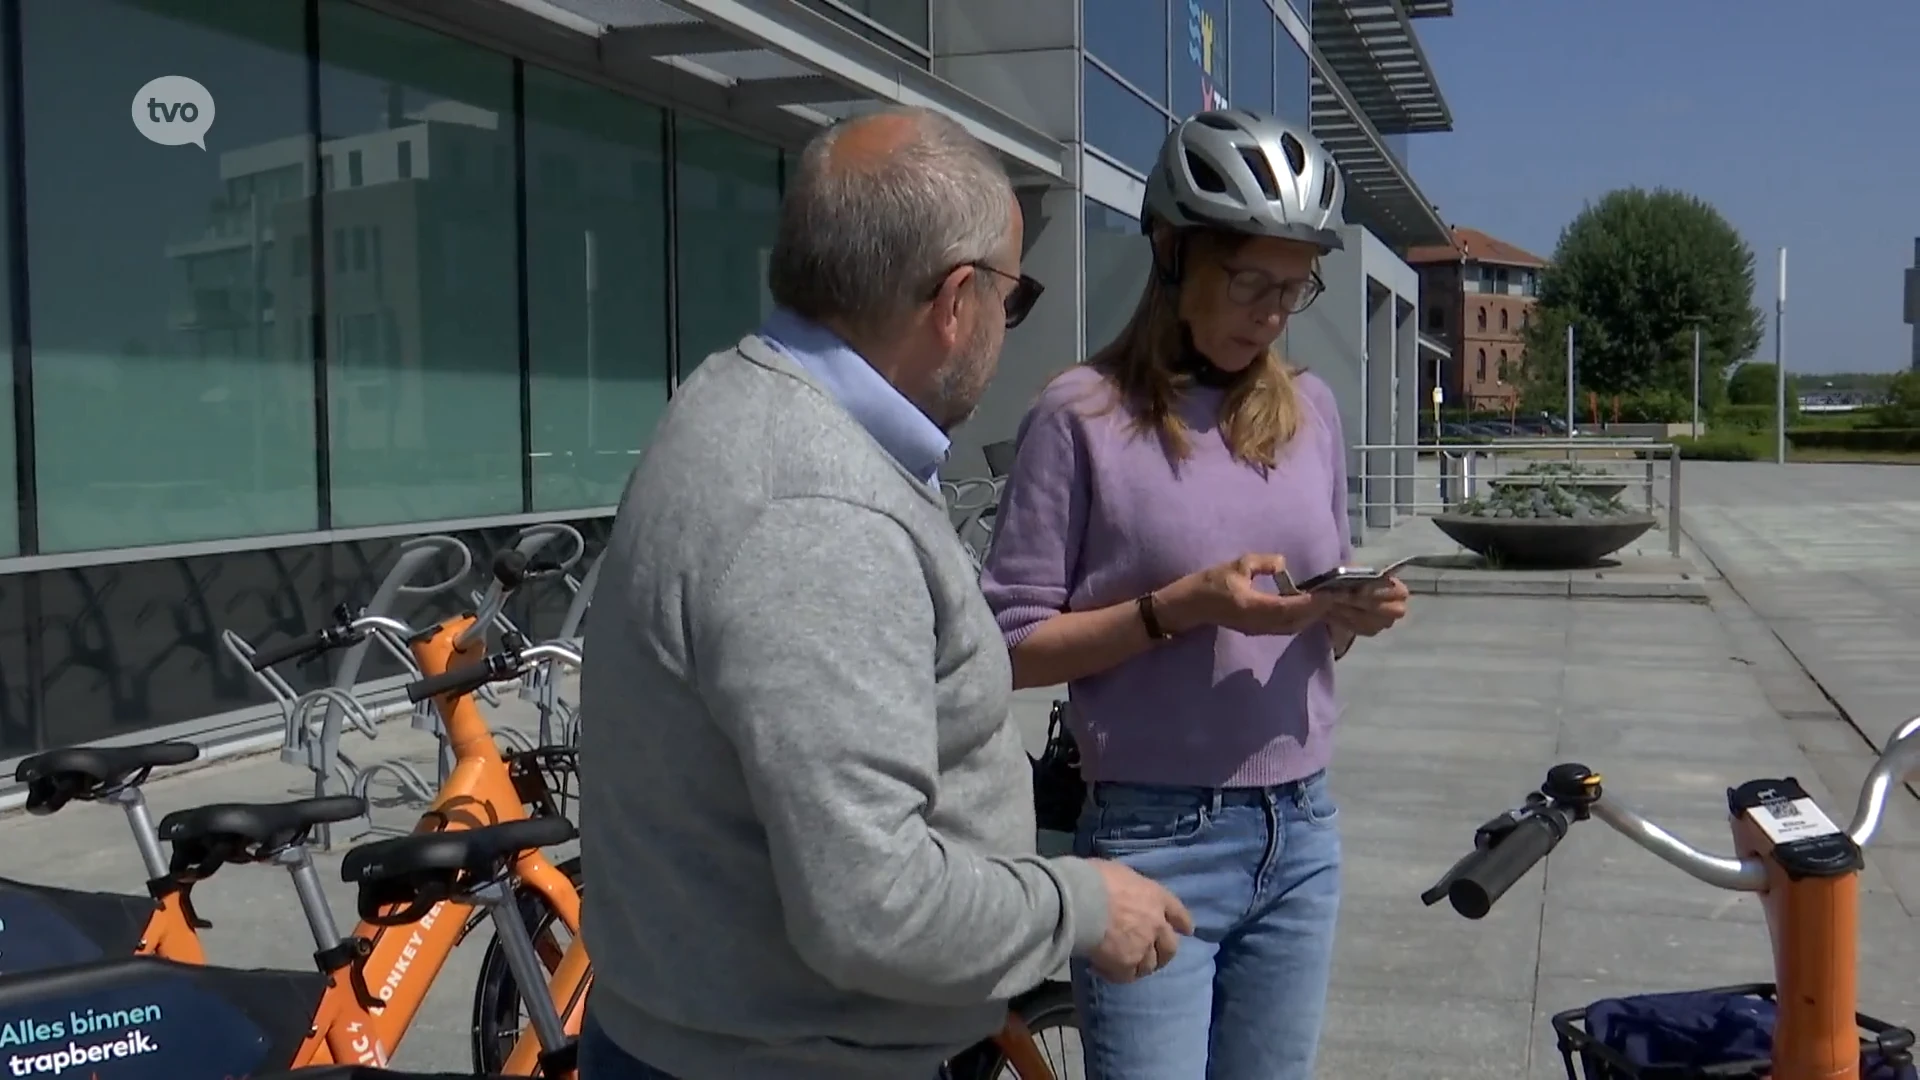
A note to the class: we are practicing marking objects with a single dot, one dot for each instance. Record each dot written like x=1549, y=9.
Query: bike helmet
x=1246, y=173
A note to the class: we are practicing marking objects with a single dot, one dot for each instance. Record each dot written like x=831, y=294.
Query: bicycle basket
x=1058, y=790
x=1719, y=1034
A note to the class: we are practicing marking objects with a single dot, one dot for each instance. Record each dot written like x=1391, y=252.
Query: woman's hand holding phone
x=1370, y=608
x=1229, y=595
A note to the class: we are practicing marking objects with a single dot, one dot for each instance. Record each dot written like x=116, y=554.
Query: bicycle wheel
x=498, y=1014
x=1050, y=1016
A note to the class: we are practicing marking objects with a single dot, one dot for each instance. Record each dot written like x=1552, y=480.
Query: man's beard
x=958, y=387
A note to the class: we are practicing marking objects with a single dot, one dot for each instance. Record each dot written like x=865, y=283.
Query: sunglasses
x=1018, y=303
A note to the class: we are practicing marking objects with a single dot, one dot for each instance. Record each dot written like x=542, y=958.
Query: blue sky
x=1799, y=119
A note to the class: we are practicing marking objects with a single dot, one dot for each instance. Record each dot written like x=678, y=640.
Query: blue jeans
x=1243, y=998
x=602, y=1059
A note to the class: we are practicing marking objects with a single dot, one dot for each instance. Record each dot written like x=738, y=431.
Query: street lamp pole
x=1780, y=366
x=1696, y=379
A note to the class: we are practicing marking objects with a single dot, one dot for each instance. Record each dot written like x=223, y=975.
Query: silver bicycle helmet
x=1239, y=171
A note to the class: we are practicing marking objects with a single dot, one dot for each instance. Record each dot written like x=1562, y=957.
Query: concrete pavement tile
x=1386, y=943
x=1596, y=869
x=1416, y=1032
x=1422, y=737
x=1474, y=723
x=1735, y=745
x=1653, y=950
x=1829, y=735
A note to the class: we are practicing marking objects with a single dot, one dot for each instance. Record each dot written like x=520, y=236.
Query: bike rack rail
x=538, y=684
x=316, y=746
x=560, y=718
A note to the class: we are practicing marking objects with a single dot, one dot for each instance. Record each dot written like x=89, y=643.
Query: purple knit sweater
x=1094, y=515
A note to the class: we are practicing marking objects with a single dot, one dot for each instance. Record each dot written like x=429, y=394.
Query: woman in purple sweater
x=1158, y=491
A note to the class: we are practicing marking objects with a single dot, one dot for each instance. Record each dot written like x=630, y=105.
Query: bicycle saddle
x=83, y=772
x=402, y=878
x=266, y=824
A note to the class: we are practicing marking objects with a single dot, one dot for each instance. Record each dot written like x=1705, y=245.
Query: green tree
x=1633, y=273
x=1754, y=384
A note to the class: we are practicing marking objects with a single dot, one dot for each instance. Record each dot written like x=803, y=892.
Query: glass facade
x=484, y=278
x=1120, y=123
x=597, y=328
x=1118, y=262
x=173, y=392
x=1130, y=37
x=423, y=367
x=407, y=279
x=1292, y=79
x=729, y=199
x=1250, y=30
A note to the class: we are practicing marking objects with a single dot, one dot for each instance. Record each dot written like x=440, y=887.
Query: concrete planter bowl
x=1544, y=543
x=1601, y=487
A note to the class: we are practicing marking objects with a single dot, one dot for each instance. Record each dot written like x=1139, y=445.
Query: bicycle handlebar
x=350, y=630
x=1508, y=846
x=511, y=662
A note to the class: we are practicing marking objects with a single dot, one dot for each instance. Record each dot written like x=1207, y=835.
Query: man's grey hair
x=863, y=242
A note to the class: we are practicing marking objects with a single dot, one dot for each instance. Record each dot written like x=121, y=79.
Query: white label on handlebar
x=1784, y=820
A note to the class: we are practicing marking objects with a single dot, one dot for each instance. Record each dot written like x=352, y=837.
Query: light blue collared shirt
x=897, y=424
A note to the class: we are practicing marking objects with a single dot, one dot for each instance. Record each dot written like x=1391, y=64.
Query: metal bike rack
x=560, y=718
x=315, y=745
x=535, y=685
x=974, y=502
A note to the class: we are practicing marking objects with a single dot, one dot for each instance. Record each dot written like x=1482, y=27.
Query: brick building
x=1477, y=296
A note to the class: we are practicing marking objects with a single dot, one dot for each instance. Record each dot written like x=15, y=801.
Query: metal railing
x=1411, y=479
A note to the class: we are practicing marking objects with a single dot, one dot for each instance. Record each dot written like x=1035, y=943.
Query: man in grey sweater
x=808, y=821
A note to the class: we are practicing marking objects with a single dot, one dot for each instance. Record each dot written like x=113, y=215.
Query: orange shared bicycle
x=395, y=965
x=1806, y=869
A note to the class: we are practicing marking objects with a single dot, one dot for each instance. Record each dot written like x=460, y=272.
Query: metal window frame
x=74, y=560
x=19, y=297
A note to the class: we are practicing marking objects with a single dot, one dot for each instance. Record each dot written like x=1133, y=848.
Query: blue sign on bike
x=144, y=1019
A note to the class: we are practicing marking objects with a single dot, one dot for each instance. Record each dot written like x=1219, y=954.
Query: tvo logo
x=173, y=110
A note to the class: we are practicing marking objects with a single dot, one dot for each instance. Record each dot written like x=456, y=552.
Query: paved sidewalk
x=1452, y=718
x=1829, y=556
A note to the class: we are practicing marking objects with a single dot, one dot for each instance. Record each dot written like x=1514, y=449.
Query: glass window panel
x=596, y=286
x=1130, y=36
x=423, y=374
x=908, y=18
x=1250, y=55
x=728, y=194
x=173, y=389
x=1121, y=123
x=1118, y=261
x=1292, y=79
x=1304, y=9
x=9, y=486
x=1199, y=56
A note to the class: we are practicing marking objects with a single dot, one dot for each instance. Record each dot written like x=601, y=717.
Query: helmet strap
x=1172, y=268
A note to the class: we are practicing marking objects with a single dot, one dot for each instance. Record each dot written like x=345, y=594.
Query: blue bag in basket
x=1699, y=1029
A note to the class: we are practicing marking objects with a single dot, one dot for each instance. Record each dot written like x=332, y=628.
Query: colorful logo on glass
x=1203, y=44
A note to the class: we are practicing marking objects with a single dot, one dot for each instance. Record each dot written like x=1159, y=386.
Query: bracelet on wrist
x=1150, y=619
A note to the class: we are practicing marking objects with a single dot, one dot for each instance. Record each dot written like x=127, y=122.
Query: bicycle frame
x=403, y=961
x=1805, y=867
x=1815, y=925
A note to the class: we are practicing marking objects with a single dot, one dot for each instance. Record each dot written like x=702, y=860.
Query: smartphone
x=1351, y=577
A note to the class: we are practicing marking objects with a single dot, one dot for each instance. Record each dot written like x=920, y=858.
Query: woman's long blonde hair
x=1261, y=411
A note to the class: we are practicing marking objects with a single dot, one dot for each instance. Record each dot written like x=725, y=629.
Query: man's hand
x=1366, y=612
x=1144, y=925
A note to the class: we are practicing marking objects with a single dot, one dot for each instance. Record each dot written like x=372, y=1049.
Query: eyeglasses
x=1018, y=302
x=1250, y=288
